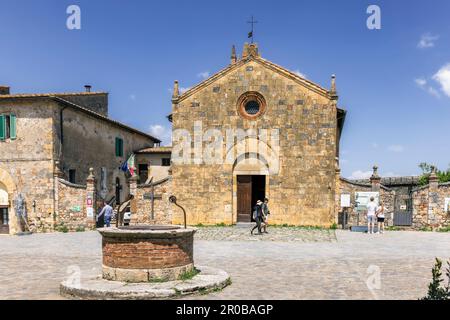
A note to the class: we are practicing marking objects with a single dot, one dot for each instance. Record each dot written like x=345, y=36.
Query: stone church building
x=296, y=168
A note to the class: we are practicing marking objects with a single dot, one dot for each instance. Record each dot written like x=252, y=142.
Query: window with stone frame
x=143, y=172
x=251, y=105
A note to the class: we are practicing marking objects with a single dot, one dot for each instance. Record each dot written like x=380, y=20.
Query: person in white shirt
x=380, y=217
x=371, y=213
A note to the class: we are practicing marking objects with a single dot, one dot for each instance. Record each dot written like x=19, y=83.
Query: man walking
x=371, y=212
x=266, y=212
x=106, y=212
x=258, y=216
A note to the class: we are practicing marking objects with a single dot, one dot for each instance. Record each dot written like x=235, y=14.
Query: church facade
x=256, y=130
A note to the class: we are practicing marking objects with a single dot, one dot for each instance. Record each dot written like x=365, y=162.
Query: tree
x=435, y=289
x=444, y=176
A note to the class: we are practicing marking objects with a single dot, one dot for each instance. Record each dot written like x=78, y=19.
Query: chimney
x=4, y=90
x=88, y=88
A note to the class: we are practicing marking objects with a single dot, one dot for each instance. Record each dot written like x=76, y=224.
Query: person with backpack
x=266, y=213
x=258, y=216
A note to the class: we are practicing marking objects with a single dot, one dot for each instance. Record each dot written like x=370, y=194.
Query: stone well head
x=147, y=253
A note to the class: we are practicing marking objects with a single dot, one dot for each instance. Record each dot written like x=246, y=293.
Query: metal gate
x=403, y=213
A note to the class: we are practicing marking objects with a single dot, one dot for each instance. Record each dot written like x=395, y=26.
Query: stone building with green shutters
x=59, y=134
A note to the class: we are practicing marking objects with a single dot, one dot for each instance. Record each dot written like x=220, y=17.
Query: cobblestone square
x=287, y=263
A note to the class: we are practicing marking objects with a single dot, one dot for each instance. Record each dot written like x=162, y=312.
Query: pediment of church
x=267, y=71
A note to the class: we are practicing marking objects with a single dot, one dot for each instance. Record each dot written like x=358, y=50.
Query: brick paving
x=277, y=234
x=322, y=267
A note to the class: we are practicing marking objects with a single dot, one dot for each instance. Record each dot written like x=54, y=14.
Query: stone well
x=137, y=254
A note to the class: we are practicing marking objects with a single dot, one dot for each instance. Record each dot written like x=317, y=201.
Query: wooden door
x=4, y=221
x=244, y=198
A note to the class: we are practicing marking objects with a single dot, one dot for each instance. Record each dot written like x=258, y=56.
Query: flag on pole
x=129, y=165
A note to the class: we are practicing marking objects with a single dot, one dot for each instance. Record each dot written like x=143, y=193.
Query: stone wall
x=141, y=205
x=355, y=217
x=27, y=162
x=97, y=102
x=429, y=206
x=71, y=207
x=302, y=192
x=90, y=143
x=155, y=167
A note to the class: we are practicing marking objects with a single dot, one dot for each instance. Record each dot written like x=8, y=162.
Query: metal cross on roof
x=252, y=22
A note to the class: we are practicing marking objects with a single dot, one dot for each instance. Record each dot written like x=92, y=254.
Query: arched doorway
x=118, y=191
x=8, y=221
x=251, y=183
x=252, y=163
x=4, y=210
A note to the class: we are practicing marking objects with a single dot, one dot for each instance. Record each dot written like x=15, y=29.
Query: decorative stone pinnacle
x=176, y=90
x=433, y=175
x=91, y=174
x=233, y=55
x=375, y=172
x=250, y=50
x=58, y=172
x=333, y=83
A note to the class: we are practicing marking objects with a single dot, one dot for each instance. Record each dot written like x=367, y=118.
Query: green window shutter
x=2, y=127
x=12, y=126
x=119, y=147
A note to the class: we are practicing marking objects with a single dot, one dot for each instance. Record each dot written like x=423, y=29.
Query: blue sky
x=394, y=82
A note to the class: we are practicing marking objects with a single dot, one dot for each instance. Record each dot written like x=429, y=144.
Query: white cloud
x=203, y=75
x=420, y=82
x=443, y=78
x=423, y=84
x=359, y=174
x=375, y=145
x=161, y=132
x=300, y=74
x=396, y=148
x=427, y=41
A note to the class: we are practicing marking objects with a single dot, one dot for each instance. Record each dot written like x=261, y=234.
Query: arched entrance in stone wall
x=252, y=163
x=8, y=221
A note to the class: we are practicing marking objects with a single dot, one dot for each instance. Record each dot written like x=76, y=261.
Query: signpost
x=152, y=196
x=345, y=203
x=89, y=207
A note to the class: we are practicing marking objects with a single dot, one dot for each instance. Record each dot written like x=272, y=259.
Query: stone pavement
x=31, y=267
x=281, y=234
